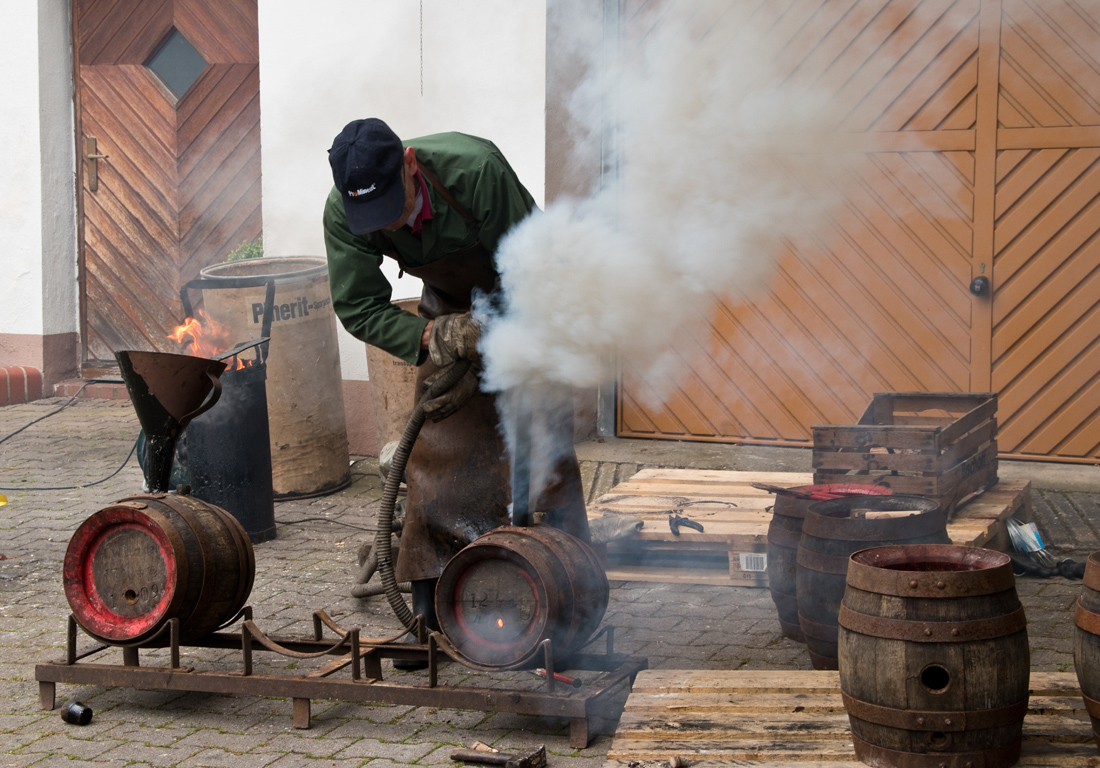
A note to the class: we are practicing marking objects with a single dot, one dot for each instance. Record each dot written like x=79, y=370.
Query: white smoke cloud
x=708, y=193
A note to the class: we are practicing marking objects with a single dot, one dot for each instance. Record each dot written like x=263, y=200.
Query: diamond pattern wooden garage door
x=973, y=173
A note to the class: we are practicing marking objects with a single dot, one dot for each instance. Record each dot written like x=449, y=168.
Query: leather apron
x=459, y=473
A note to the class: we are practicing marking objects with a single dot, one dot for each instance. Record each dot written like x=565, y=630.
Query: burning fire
x=203, y=337
x=500, y=623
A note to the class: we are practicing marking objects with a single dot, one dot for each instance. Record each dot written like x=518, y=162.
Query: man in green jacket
x=439, y=205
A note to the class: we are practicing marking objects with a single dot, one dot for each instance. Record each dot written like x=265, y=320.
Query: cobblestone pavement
x=310, y=566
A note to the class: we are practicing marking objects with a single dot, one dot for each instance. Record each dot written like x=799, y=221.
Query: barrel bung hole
x=935, y=678
x=131, y=596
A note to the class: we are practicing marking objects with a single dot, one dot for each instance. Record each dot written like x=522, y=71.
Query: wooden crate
x=782, y=719
x=735, y=517
x=939, y=445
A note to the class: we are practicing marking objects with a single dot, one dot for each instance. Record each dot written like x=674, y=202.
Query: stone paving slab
x=310, y=566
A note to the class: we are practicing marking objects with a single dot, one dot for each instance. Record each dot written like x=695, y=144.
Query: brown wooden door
x=987, y=134
x=180, y=185
x=1046, y=236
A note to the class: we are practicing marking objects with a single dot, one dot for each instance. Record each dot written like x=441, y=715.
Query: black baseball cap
x=366, y=159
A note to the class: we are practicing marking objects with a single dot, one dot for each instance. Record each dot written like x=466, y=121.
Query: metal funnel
x=167, y=391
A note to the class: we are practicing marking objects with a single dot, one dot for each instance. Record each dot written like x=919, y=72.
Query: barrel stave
x=784, y=531
x=829, y=537
x=954, y=698
x=193, y=558
x=1086, y=642
x=557, y=574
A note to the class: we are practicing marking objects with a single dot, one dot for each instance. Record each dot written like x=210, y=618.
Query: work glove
x=446, y=404
x=453, y=337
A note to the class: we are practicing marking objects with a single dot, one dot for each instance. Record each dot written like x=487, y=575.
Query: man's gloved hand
x=453, y=337
x=439, y=408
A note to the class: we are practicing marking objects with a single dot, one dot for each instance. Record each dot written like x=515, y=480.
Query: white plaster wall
x=60, y=287
x=20, y=183
x=476, y=66
x=37, y=197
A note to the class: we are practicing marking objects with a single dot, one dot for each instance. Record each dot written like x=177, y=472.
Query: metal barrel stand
x=359, y=662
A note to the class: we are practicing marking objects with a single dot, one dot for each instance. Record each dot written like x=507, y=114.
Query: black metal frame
x=365, y=683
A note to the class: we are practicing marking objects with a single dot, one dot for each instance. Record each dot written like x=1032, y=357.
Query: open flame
x=203, y=337
x=500, y=623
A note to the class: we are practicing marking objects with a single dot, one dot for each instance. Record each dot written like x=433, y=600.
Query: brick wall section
x=19, y=384
x=101, y=391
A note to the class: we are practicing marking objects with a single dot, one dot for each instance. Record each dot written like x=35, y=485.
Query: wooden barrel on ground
x=499, y=598
x=144, y=560
x=784, y=531
x=831, y=532
x=934, y=660
x=1086, y=641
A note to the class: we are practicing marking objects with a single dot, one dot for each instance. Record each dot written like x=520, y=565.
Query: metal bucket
x=934, y=660
x=499, y=598
x=133, y=566
x=305, y=396
x=229, y=461
x=831, y=532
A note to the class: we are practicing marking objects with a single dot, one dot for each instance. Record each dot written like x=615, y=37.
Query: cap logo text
x=358, y=192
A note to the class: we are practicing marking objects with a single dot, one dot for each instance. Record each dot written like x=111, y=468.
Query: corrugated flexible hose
x=382, y=551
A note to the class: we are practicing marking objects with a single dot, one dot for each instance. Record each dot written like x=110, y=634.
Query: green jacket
x=476, y=174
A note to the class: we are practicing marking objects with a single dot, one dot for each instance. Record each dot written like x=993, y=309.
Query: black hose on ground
x=382, y=545
x=1067, y=568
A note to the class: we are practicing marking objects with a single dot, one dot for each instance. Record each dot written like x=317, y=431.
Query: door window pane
x=177, y=63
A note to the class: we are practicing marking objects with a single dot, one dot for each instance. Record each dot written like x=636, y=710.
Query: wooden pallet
x=789, y=719
x=731, y=549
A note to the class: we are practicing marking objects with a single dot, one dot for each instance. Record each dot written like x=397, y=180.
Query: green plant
x=248, y=249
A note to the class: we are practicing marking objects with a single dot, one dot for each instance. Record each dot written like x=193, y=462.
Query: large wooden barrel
x=784, y=531
x=934, y=661
x=144, y=560
x=831, y=532
x=499, y=598
x=1086, y=641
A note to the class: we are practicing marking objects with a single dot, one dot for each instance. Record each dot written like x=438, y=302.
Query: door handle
x=93, y=162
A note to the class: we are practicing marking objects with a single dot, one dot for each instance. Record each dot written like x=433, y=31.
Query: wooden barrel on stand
x=831, y=532
x=144, y=560
x=784, y=531
x=499, y=598
x=934, y=659
x=1086, y=641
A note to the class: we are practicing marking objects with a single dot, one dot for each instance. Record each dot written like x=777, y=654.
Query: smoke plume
x=717, y=164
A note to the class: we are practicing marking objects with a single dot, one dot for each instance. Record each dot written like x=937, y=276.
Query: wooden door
x=1046, y=234
x=986, y=165
x=169, y=91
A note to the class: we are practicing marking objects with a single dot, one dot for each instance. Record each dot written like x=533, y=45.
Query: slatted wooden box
x=939, y=445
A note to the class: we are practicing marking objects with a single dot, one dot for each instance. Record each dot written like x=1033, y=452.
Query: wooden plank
x=655, y=554
x=706, y=476
x=711, y=577
x=713, y=557
x=773, y=719
x=809, y=682
x=1069, y=137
